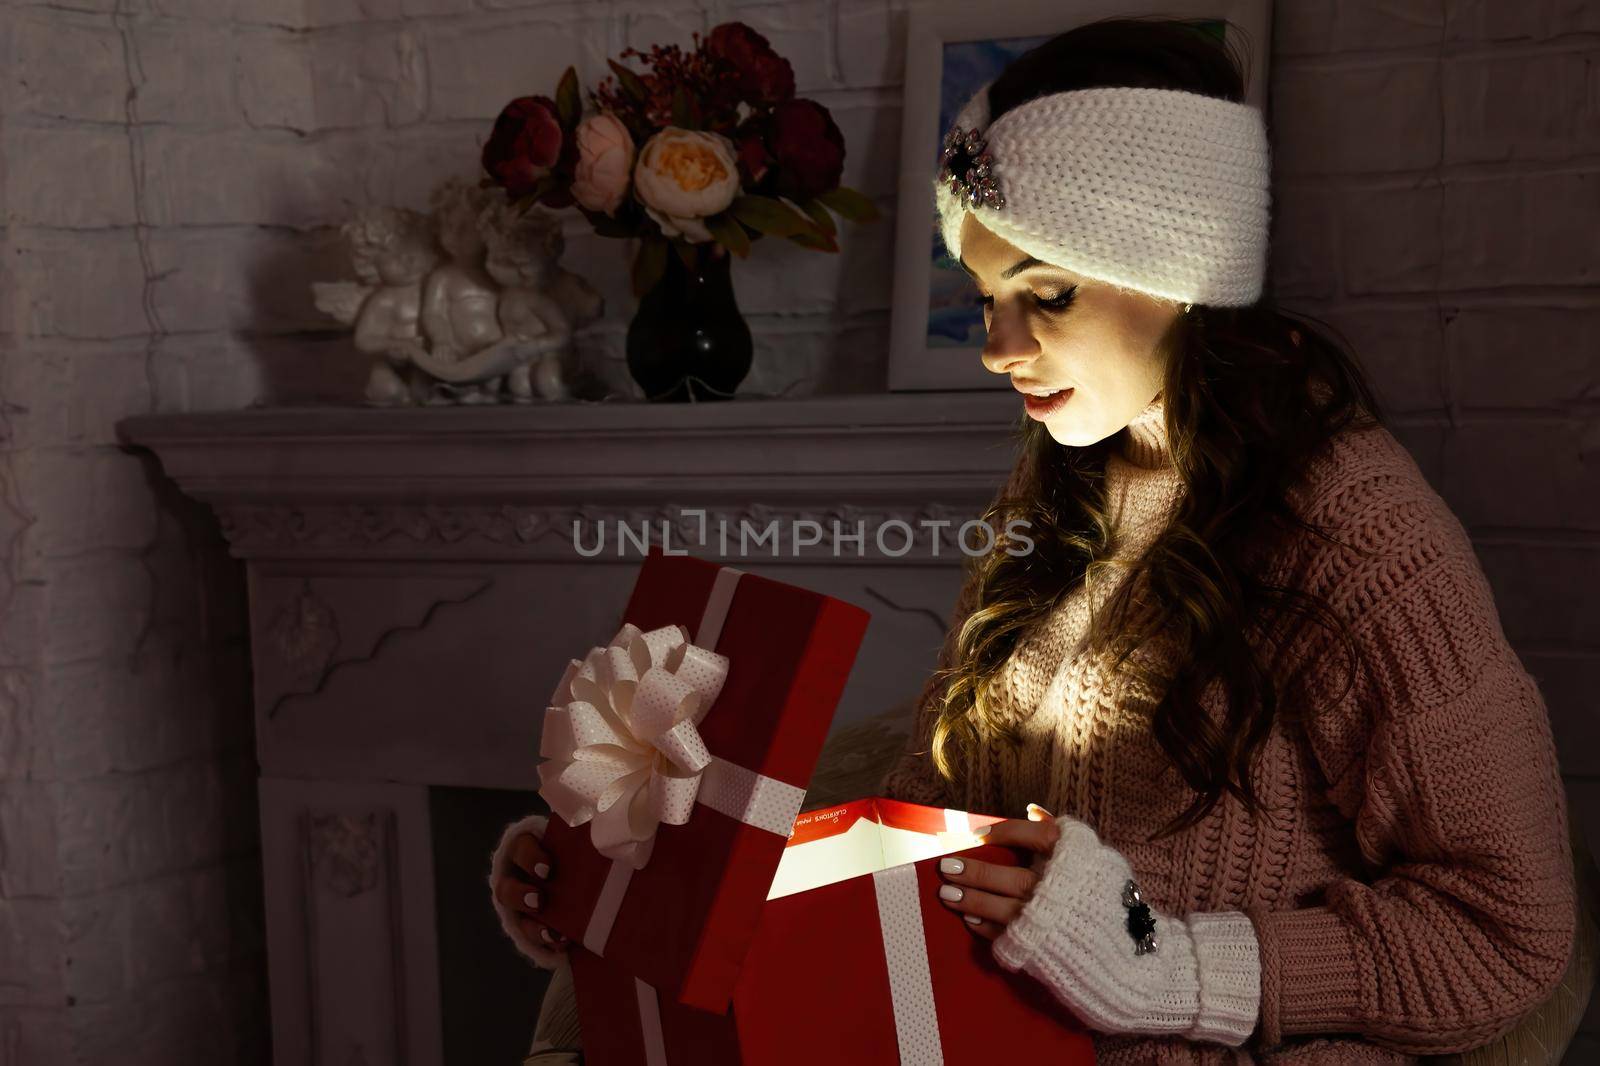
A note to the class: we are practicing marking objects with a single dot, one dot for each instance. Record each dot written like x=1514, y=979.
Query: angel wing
x=341, y=299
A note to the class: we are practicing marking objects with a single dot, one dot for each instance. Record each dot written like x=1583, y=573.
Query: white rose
x=682, y=176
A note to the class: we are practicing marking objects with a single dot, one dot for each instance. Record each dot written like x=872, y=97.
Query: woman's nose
x=1010, y=345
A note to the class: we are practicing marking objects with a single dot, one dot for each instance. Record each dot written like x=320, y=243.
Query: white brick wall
x=171, y=172
x=149, y=217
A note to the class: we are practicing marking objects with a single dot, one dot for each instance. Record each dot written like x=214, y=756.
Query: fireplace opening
x=489, y=994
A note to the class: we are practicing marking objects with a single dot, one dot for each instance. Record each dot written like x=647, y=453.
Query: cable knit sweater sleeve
x=1441, y=755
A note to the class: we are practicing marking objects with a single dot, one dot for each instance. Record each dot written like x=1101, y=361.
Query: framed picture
x=936, y=325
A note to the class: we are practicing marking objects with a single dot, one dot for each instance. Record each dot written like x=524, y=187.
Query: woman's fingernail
x=951, y=866
x=531, y=899
x=982, y=830
x=544, y=934
x=950, y=892
x=972, y=919
x=541, y=869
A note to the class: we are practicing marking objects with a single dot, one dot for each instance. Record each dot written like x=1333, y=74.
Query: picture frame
x=952, y=48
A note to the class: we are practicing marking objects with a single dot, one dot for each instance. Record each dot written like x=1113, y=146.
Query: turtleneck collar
x=1145, y=442
x=1142, y=484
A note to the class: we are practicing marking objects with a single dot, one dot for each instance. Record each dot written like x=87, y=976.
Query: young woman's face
x=1051, y=331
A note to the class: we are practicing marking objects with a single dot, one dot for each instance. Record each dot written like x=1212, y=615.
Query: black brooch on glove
x=965, y=165
x=1141, y=924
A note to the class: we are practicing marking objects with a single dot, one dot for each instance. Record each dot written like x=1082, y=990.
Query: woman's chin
x=1072, y=433
x=1079, y=427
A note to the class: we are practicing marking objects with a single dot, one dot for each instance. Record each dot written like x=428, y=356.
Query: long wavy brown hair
x=1251, y=394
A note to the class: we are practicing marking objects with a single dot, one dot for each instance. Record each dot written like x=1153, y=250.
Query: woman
x=1306, y=804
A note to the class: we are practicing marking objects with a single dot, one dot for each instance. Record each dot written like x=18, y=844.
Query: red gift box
x=684, y=920
x=855, y=961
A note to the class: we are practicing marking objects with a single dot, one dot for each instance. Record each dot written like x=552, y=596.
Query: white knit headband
x=1157, y=190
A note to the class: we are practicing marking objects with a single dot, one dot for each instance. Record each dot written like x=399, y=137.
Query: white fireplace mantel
x=415, y=592
x=507, y=482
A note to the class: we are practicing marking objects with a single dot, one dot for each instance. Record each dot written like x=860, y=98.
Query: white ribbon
x=655, y=1044
x=624, y=751
x=905, y=946
x=621, y=740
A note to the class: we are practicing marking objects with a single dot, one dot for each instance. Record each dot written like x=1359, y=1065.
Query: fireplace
x=419, y=578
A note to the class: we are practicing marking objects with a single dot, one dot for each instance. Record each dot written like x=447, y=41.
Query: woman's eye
x=1049, y=303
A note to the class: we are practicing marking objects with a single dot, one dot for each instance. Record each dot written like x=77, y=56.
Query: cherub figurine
x=539, y=306
x=459, y=298
x=392, y=250
x=496, y=317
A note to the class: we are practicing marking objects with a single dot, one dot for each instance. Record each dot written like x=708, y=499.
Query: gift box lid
x=684, y=919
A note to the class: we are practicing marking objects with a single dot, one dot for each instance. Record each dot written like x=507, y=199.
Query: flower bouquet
x=700, y=156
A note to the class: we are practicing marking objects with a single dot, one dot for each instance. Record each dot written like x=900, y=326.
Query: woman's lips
x=1045, y=406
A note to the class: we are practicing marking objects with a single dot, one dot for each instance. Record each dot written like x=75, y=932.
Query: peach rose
x=683, y=176
x=605, y=163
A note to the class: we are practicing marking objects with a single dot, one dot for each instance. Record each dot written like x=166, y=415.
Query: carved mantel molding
x=541, y=482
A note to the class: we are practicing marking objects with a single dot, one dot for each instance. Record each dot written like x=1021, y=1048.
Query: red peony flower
x=807, y=149
x=526, y=144
x=765, y=77
x=754, y=159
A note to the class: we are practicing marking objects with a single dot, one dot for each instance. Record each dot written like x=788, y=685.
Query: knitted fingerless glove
x=1202, y=981
x=546, y=957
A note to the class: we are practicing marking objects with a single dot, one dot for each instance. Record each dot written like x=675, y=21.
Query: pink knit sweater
x=1411, y=890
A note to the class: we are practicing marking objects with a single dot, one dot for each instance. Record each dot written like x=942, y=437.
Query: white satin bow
x=622, y=738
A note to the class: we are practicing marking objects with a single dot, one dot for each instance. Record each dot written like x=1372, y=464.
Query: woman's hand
x=990, y=896
x=522, y=885
x=1069, y=921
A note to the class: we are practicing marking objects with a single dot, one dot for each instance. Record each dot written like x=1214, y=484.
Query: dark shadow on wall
x=304, y=357
x=196, y=639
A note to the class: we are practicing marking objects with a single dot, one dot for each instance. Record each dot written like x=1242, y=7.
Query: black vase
x=687, y=340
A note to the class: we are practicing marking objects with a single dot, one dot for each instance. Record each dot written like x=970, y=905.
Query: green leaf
x=765, y=214
x=649, y=265
x=629, y=81
x=847, y=203
x=823, y=243
x=608, y=226
x=820, y=216
x=729, y=233
x=540, y=188
x=682, y=111
x=568, y=106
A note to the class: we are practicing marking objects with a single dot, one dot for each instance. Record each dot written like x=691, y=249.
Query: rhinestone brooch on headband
x=1141, y=925
x=966, y=167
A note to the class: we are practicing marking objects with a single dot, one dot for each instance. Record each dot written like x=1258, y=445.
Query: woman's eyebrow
x=1011, y=271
